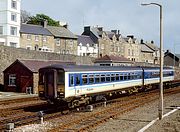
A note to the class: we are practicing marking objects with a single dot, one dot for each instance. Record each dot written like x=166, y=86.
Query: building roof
x=84, y=40
x=61, y=32
x=35, y=65
x=168, y=53
x=152, y=46
x=34, y=29
x=178, y=55
x=145, y=48
x=110, y=34
x=112, y=58
x=96, y=32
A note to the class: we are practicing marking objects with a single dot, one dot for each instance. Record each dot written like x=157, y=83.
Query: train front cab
x=51, y=84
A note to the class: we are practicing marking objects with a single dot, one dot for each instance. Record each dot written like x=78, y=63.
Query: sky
x=128, y=16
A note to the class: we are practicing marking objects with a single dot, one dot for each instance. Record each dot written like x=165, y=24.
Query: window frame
x=13, y=4
x=12, y=80
x=1, y=30
x=13, y=30
x=13, y=17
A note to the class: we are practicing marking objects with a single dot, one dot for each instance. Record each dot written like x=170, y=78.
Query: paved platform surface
x=13, y=95
x=138, y=118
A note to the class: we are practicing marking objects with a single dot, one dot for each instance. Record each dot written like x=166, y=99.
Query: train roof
x=75, y=68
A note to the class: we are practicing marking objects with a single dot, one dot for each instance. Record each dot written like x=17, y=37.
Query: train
x=80, y=84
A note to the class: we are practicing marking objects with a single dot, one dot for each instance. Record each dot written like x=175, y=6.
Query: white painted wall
x=5, y=20
x=84, y=51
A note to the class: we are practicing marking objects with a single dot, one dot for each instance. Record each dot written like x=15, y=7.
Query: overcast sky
x=128, y=16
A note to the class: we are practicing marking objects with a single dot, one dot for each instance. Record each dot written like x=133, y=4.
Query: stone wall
x=9, y=54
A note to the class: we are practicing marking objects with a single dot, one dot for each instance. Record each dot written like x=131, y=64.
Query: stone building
x=131, y=48
x=147, y=54
x=86, y=47
x=36, y=37
x=65, y=42
x=156, y=51
x=170, y=59
x=113, y=43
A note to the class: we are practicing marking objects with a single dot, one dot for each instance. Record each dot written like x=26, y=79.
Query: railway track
x=81, y=120
x=86, y=121
x=18, y=100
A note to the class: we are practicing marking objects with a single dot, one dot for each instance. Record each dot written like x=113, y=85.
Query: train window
x=139, y=76
x=112, y=77
x=103, y=78
x=77, y=79
x=129, y=76
x=121, y=77
x=97, y=78
x=125, y=77
x=60, y=77
x=71, y=80
x=117, y=77
x=108, y=78
x=91, y=78
x=84, y=78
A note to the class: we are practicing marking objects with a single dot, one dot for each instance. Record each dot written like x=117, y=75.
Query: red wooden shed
x=22, y=75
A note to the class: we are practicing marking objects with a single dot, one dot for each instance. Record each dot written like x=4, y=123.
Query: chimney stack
x=45, y=22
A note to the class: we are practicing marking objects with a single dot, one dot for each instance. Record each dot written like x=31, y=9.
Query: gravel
x=131, y=121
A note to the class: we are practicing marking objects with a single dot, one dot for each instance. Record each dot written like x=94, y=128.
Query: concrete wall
x=9, y=54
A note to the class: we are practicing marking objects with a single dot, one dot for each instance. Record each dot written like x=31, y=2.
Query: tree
x=25, y=16
x=39, y=18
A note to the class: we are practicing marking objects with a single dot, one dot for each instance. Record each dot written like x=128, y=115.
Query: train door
x=50, y=84
x=77, y=84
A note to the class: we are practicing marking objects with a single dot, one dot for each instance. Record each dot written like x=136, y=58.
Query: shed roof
x=112, y=58
x=35, y=65
x=34, y=29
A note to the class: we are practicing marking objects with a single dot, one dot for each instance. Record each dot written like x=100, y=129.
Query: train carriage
x=75, y=84
x=152, y=75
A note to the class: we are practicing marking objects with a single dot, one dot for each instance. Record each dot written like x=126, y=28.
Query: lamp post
x=160, y=109
x=174, y=57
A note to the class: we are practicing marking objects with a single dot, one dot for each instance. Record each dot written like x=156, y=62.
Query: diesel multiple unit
x=80, y=84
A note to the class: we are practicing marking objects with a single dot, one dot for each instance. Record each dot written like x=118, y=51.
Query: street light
x=160, y=109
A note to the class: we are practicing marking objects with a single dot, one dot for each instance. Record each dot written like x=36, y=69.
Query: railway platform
x=145, y=118
x=13, y=95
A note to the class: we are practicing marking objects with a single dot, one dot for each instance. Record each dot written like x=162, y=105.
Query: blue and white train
x=80, y=84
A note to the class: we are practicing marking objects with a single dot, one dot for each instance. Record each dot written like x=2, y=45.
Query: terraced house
x=113, y=43
x=86, y=47
x=48, y=39
x=65, y=42
x=36, y=37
